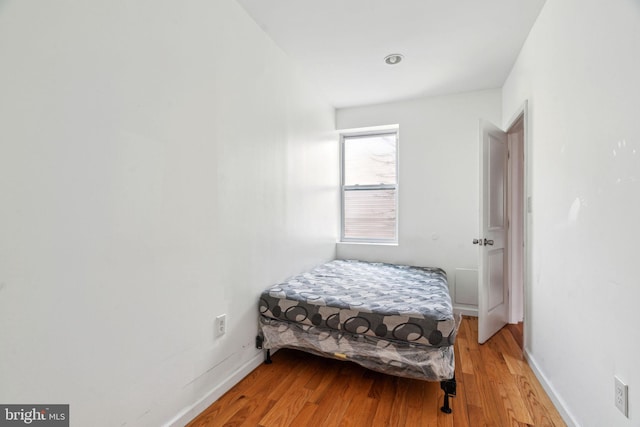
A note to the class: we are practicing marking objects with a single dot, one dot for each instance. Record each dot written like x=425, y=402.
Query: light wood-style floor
x=496, y=387
x=517, y=330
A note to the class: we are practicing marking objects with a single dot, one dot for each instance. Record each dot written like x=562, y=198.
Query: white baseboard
x=466, y=311
x=551, y=391
x=196, y=409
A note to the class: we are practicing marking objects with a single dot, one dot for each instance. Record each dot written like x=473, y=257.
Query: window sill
x=367, y=243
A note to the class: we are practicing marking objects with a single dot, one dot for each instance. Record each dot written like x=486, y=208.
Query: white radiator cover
x=465, y=290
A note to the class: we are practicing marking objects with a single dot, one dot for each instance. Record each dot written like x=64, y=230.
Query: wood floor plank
x=335, y=405
x=416, y=403
x=432, y=403
x=336, y=399
x=459, y=404
x=471, y=390
x=496, y=387
x=476, y=416
x=385, y=403
x=543, y=402
x=293, y=399
x=400, y=406
x=286, y=409
x=360, y=413
x=532, y=402
x=254, y=412
x=284, y=383
x=360, y=410
x=466, y=366
x=306, y=415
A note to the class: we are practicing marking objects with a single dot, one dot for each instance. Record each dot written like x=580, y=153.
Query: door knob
x=488, y=242
x=476, y=241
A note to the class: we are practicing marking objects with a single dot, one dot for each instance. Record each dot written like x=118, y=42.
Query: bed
x=393, y=319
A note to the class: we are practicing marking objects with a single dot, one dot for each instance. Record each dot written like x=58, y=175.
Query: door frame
x=522, y=113
x=515, y=220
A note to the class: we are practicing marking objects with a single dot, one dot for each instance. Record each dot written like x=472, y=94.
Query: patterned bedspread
x=390, y=302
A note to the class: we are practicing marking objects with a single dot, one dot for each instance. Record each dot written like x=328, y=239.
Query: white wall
x=580, y=70
x=438, y=197
x=160, y=164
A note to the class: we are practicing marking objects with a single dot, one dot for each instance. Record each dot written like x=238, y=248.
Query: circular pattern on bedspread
x=263, y=306
x=333, y=321
x=407, y=332
x=435, y=337
x=296, y=313
x=316, y=319
x=357, y=325
x=381, y=330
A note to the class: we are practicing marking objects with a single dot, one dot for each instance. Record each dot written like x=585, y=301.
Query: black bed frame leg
x=446, y=408
x=449, y=388
x=259, y=343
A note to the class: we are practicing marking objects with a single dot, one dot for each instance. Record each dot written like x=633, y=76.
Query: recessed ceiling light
x=393, y=59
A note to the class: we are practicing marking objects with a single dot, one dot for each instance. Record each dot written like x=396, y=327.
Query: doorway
x=515, y=206
x=504, y=210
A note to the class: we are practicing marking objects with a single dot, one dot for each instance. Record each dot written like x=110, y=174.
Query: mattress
x=391, y=302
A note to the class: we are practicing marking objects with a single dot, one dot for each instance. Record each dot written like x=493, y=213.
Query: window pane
x=370, y=160
x=370, y=214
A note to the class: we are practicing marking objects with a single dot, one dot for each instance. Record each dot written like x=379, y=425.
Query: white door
x=493, y=298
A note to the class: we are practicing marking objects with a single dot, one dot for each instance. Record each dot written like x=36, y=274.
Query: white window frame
x=367, y=132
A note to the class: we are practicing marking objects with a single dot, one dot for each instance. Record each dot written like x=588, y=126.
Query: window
x=370, y=186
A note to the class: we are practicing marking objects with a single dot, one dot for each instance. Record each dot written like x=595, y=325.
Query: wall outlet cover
x=621, y=396
x=221, y=324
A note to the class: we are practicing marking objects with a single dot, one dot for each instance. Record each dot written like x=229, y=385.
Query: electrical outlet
x=621, y=396
x=221, y=324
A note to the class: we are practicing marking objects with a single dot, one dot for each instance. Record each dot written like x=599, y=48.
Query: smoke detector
x=393, y=59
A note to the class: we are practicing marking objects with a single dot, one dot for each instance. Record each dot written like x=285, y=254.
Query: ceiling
x=449, y=46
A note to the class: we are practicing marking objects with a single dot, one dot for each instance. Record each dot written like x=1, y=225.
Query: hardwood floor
x=496, y=387
x=517, y=330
